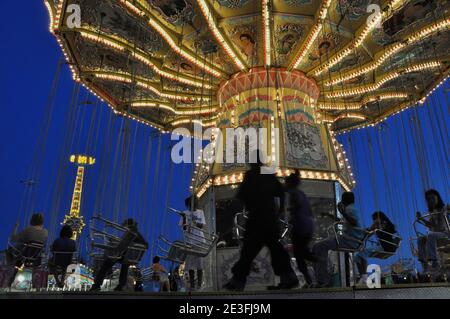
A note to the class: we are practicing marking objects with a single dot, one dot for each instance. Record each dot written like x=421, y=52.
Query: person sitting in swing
x=192, y=221
x=130, y=237
x=352, y=235
x=62, y=253
x=33, y=234
x=385, y=240
x=437, y=228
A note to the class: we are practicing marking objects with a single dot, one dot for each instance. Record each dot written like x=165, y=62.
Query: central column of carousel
x=285, y=100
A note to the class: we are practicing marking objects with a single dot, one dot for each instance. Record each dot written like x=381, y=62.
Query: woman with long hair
x=437, y=228
x=385, y=240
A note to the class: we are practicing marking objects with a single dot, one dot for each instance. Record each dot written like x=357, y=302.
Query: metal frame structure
x=104, y=244
x=191, y=244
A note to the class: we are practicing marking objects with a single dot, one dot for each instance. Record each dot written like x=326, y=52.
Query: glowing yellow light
x=315, y=31
x=357, y=105
x=122, y=45
x=50, y=14
x=266, y=28
x=385, y=78
x=218, y=35
x=203, y=64
x=419, y=35
x=127, y=78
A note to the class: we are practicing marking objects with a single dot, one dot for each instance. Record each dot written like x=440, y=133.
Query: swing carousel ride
x=311, y=69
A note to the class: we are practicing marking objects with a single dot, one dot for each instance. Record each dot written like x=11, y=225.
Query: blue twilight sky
x=392, y=164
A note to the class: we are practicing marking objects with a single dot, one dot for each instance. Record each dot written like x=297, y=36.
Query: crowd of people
x=265, y=198
x=260, y=193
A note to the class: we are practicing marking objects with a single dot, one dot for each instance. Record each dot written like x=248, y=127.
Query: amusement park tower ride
x=74, y=218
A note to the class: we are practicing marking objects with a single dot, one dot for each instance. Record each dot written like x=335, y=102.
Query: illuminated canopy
x=163, y=62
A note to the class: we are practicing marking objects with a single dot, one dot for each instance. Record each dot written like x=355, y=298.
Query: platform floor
x=409, y=291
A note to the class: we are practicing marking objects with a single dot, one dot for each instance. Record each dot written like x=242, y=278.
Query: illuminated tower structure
x=74, y=219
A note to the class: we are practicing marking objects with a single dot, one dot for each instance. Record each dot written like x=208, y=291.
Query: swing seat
x=109, y=240
x=241, y=218
x=394, y=243
x=196, y=241
x=346, y=243
x=171, y=252
x=29, y=254
x=443, y=244
x=134, y=254
x=178, y=250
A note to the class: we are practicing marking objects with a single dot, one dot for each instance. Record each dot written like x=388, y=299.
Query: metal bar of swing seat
x=201, y=235
x=199, y=240
x=162, y=249
x=100, y=233
x=110, y=223
x=101, y=246
x=20, y=251
x=176, y=211
x=165, y=240
x=360, y=242
x=240, y=228
x=190, y=250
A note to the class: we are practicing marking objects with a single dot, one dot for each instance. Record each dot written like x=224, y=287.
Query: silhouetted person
x=109, y=263
x=437, y=228
x=352, y=234
x=258, y=192
x=301, y=219
x=33, y=234
x=62, y=253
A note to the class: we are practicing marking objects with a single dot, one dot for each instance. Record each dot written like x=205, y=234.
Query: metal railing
x=196, y=241
x=114, y=241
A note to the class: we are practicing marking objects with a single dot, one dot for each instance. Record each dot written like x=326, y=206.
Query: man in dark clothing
x=108, y=263
x=258, y=192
